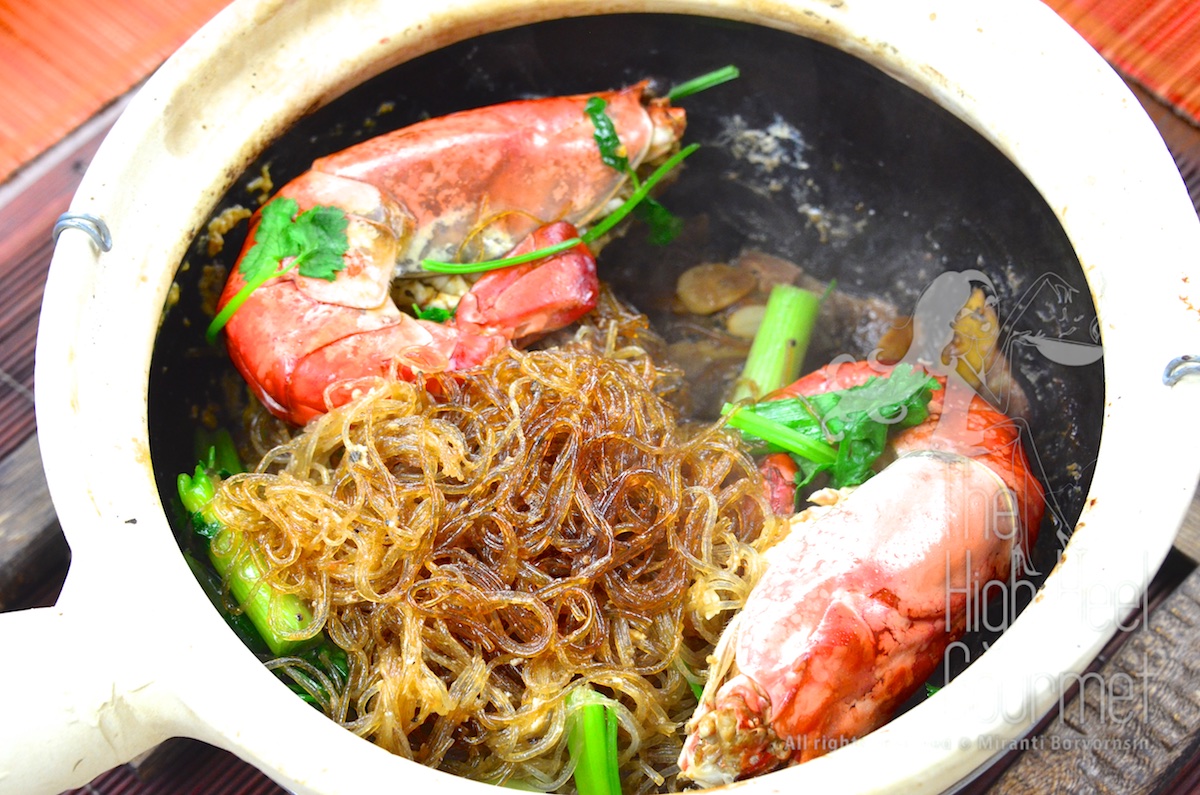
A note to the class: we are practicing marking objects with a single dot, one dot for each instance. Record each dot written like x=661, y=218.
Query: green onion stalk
x=591, y=235
x=703, y=82
x=592, y=742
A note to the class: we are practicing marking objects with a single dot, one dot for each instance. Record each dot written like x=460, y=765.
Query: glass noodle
x=486, y=542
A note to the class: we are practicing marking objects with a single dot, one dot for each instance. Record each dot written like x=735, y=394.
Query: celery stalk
x=213, y=587
x=218, y=453
x=266, y=608
x=777, y=353
x=592, y=741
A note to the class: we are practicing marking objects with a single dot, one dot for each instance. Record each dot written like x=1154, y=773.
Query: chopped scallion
x=592, y=741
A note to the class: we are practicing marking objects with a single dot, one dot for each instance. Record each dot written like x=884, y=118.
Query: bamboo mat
x=1155, y=43
x=62, y=61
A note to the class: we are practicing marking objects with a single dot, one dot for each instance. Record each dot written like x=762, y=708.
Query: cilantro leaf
x=272, y=241
x=319, y=238
x=433, y=313
x=843, y=432
x=612, y=151
x=315, y=240
x=664, y=225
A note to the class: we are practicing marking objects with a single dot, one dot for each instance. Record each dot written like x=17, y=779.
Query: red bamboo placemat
x=61, y=61
x=1153, y=42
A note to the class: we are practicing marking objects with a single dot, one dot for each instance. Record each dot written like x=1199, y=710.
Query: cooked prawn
x=863, y=596
x=468, y=186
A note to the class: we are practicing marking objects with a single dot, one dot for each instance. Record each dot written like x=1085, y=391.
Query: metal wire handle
x=1180, y=367
x=90, y=225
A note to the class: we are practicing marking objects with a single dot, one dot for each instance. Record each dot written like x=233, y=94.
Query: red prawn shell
x=989, y=436
x=466, y=185
x=858, y=606
x=506, y=169
x=290, y=347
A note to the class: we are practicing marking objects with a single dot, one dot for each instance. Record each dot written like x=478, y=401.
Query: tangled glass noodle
x=485, y=542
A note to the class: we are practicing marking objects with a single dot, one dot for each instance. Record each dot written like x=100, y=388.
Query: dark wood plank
x=183, y=766
x=1187, y=540
x=29, y=208
x=1134, y=725
x=33, y=551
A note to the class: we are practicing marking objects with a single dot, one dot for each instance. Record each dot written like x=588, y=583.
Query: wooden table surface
x=1076, y=749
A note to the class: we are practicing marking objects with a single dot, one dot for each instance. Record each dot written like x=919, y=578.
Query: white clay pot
x=88, y=686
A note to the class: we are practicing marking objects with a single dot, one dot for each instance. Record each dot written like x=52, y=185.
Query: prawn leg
x=527, y=300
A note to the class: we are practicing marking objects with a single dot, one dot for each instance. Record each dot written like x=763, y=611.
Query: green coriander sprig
x=589, y=236
x=315, y=240
x=842, y=432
